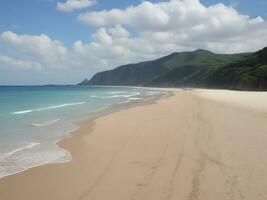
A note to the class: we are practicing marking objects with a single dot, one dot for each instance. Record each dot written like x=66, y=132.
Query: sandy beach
x=194, y=145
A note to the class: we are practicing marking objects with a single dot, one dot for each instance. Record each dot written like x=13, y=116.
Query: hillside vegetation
x=198, y=68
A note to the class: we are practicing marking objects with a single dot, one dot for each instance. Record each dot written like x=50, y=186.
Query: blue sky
x=92, y=36
x=41, y=16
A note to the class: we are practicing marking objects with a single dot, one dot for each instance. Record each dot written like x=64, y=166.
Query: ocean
x=34, y=118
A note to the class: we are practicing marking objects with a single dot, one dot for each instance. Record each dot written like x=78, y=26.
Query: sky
x=65, y=41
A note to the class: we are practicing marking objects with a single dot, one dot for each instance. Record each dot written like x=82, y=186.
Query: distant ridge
x=200, y=68
x=84, y=82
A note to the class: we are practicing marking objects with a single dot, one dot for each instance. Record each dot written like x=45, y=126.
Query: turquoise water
x=34, y=118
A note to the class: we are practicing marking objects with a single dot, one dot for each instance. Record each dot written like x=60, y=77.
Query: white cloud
x=71, y=5
x=119, y=32
x=184, y=24
x=12, y=63
x=137, y=33
x=169, y=15
x=139, y=17
x=27, y=52
x=102, y=36
x=40, y=49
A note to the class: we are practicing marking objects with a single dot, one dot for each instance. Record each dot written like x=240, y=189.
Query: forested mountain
x=200, y=68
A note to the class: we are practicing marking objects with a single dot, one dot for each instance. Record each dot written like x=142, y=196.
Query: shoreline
x=59, y=142
x=174, y=149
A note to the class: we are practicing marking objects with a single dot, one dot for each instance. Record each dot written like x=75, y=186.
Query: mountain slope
x=160, y=71
x=132, y=74
x=248, y=73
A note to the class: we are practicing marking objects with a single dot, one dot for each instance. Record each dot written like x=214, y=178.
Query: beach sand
x=194, y=145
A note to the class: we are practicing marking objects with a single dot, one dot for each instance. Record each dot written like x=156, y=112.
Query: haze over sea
x=34, y=118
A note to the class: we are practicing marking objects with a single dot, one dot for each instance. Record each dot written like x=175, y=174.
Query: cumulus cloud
x=27, y=52
x=137, y=33
x=165, y=16
x=37, y=48
x=71, y=5
x=12, y=63
x=185, y=24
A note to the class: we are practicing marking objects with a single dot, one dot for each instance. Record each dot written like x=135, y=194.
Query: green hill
x=198, y=68
x=249, y=73
x=143, y=73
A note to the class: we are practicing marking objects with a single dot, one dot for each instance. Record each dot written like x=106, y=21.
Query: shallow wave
x=152, y=93
x=98, y=110
x=25, y=159
x=122, y=95
x=116, y=92
x=47, y=108
x=59, y=106
x=28, y=146
x=22, y=112
x=29, y=155
x=47, y=123
x=124, y=102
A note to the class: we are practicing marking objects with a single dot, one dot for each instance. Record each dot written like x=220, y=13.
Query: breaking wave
x=47, y=108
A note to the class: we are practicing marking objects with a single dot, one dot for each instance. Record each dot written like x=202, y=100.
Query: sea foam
x=46, y=123
x=37, y=115
x=47, y=108
x=21, y=112
x=8, y=154
x=121, y=95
